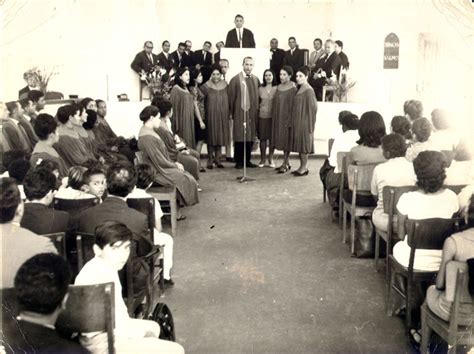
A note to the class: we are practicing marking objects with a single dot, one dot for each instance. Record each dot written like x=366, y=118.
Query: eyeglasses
x=149, y=47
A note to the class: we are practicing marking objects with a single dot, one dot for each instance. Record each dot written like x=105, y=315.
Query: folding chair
x=359, y=179
x=59, y=241
x=342, y=166
x=427, y=234
x=74, y=206
x=452, y=331
x=90, y=308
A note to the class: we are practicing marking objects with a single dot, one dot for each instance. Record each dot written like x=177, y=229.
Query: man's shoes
x=239, y=166
x=229, y=159
x=169, y=283
x=251, y=165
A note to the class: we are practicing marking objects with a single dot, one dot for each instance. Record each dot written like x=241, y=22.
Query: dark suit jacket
x=217, y=57
x=276, y=62
x=205, y=64
x=114, y=208
x=42, y=220
x=295, y=60
x=30, y=131
x=344, y=60
x=142, y=62
x=232, y=40
x=167, y=63
x=176, y=62
x=23, y=93
x=332, y=64
x=188, y=59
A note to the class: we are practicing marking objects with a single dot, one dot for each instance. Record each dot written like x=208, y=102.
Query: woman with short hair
x=264, y=130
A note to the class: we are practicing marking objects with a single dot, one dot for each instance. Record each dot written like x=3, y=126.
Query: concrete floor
x=260, y=268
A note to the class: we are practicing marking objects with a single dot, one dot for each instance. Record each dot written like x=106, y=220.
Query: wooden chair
x=147, y=207
x=451, y=332
x=330, y=143
x=74, y=206
x=90, y=308
x=59, y=241
x=359, y=179
x=427, y=234
x=84, y=243
x=342, y=166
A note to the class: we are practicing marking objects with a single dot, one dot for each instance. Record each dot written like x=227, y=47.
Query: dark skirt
x=264, y=128
x=199, y=134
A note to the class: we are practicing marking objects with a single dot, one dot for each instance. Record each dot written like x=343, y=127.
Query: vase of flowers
x=159, y=81
x=42, y=77
x=342, y=86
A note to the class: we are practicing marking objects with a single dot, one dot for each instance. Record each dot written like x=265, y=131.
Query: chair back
x=85, y=253
x=391, y=195
x=59, y=241
x=462, y=300
x=341, y=160
x=359, y=177
x=74, y=206
x=10, y=307
x=330, y=144
x=455, y=188
x=90, y=308
x=453, y=283
x=430, y=233
x=145, y=206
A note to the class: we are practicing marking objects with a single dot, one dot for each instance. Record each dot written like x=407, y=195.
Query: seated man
x=39, y=186
x=327, y=67
x=18, y=244
x=41, y=286
x=112, y=249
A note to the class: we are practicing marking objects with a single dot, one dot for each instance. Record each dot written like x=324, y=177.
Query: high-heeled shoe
x=300, y=174
x=219, y=164
x=209, y=165
x=284, y=169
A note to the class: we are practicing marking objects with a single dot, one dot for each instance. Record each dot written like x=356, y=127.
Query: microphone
x=244, y=101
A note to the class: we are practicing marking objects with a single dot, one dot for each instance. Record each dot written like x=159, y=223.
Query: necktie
x=151, y=58
x=240, y=39
x=204, y=55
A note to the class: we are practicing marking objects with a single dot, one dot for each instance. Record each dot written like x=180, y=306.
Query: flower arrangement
x=342, y=86
x=159, y=81
x=42, y=77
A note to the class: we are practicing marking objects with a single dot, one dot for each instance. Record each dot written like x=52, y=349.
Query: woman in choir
x=46, y=129
x=217, y=116
x=304, y=118
x=169, y=173
x=281, y=116
x=71, y=147
x=266, y=93
x=88, y=103
x=200, y=131
x=184, y=108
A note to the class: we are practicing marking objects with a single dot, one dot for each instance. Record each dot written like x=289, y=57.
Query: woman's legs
x=271, y=150
x=217, y=156
x=210, y=156
x=199, y=145
x=263, y=151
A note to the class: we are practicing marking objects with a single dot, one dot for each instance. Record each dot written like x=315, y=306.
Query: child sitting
x=112, y=249
x=75, y=185
x=95, y=182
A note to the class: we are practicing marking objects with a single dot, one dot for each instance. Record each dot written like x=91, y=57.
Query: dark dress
x=183, y=113
x=304, y=118
x=168, y=174
x=198, y=96
x=217, y=112
x=281, y=115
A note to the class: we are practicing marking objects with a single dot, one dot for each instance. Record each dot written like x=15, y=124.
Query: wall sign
x=391, y=49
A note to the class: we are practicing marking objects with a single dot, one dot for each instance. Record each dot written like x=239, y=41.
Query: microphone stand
x=244, y=178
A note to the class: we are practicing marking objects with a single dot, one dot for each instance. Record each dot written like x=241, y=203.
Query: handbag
x=364, y=246
x=162, y=315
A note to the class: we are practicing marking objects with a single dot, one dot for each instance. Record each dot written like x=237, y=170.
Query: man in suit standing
x=32, y=84
x=203, y=60
x=239, y=37
x=316, y=54
x=344, y=59
x=217, y=55
x=178, y=56
x=278, y=56
x=164, y=58
x=294, y=57
x=244, y=83
x=327, y=67
x=145, y=60
x=39, y=186
x=188, y=55
x=224, y=65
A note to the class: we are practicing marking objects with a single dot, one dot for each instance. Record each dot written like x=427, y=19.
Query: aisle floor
x=260, y=268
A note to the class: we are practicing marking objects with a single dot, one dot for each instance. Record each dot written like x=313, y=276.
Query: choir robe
x=303, y=115
x=235, y=105
x=217, y=112
x=71, y=147
x=183, y=114
x=281, y=115
x=17, y=138
x=45, y=152
x=189, y=161
x=103, y=132
x=168, y=174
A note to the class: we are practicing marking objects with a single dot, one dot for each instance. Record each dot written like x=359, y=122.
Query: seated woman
x=46, y=129
x=431, y=200
x=169, y=173
x=189, y=158
x=75, y=185
x=71, y=146
x=421, y=133
x=413, y=109
x=401, y=125
x=443, y=138
x=369, y=148
x=458, y=247
x=396, y=172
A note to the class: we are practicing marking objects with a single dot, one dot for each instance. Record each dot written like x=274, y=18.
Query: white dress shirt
x=342, y=143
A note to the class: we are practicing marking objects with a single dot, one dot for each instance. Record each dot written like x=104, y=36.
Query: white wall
x=93, y=42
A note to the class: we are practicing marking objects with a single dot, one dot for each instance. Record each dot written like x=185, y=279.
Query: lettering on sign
x=391, y=49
